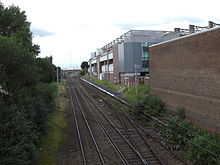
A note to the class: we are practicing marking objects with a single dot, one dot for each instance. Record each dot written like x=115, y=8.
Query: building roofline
x=189, y=35
x=122, y=38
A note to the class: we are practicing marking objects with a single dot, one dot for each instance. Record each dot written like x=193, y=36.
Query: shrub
x=154, y=106
x=17, y=141
x=181, y=113
x=204, y=150
x=177, y=133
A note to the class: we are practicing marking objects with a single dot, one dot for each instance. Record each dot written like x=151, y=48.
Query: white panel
x=110, y=56
x=93, y=61
x=103, y=58
x=111, y=68
x=105, y=68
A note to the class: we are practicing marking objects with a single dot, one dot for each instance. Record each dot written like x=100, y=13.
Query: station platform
x=110, y=92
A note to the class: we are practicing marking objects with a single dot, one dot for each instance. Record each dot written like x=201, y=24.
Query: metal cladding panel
x=132, y=54
x=146, y=36
x=121, y=57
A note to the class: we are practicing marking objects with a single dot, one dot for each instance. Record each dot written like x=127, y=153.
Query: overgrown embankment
x=53, y=136
x=29, y=93
x=197, y=146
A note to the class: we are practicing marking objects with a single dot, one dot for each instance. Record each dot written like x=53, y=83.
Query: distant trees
x=84, y=67
x=28, y=80
x=46, y=69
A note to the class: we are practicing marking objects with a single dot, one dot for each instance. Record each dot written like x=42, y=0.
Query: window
x=145, y=49
x=145, y=64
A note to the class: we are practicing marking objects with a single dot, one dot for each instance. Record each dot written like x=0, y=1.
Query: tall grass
x=52, y=139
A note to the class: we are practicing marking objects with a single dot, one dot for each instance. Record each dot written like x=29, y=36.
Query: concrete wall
x=186, y=73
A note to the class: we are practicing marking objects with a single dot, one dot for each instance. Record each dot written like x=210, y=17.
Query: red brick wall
x=146, y=81
x=116, y=63
x=186, y=73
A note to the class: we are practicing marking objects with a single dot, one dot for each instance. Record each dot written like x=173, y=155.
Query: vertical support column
x=90, y=67
x=191, y=28
x=136, y=81
x=98, y=66
x=136, y=85
x=108, y=78
x=211, y=24
x=58, y=83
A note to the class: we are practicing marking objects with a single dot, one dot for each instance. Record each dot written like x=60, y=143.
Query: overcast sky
x=70, y=30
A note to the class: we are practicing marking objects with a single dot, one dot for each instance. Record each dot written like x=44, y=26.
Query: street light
x=136, y=66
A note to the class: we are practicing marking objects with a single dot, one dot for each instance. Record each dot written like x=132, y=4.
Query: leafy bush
x=17, y=143
x=181, y=113
x=201, y=148
x=177, y=133
x=154, y=106
x=139, y=108
x=204, y=150
x=24, y=109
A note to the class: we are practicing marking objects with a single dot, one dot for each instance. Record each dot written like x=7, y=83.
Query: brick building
x=185, y=72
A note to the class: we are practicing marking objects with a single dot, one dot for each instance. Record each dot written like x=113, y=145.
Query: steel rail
x=139, y=133
x=135, y=125
x=146, y=141
x=77, y=127
x=90, y=131
x=130, y=145
x=124, y=114
x=121, y=111
x=107, y=134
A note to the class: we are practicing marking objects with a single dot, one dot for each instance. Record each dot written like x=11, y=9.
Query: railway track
x=107, y=136
x=124, y=148
x=137, y=135
x=82, y=123
x=90, y=152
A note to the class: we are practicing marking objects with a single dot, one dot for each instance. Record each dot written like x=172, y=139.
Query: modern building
x=121, y=59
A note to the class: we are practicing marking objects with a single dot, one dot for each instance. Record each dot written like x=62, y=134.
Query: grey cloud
x=40, y=32
x=132, y=25
x=126, y=26
x=192, y=20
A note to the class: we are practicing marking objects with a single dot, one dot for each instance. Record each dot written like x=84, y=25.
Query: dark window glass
x=145, y=64
x=145, y=49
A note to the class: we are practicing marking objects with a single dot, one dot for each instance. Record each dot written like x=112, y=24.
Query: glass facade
x=145, y=57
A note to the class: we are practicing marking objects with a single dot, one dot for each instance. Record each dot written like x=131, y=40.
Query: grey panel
x=131, y=55
x=145, y=36
x=121, y=57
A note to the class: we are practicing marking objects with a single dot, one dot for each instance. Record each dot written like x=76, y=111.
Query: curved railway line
x=108, y=136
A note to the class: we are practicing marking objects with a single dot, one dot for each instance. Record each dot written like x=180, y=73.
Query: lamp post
x=136, y=83
x=58, y=83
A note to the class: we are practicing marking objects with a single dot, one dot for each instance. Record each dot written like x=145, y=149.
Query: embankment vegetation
x=52, y=139
x=27, y=95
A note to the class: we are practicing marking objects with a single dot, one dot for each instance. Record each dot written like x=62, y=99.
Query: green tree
x=26, y=78
x=46, y=69
x=84, y=67
x=13, y=23
x=16, y=142
x=16, y=65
